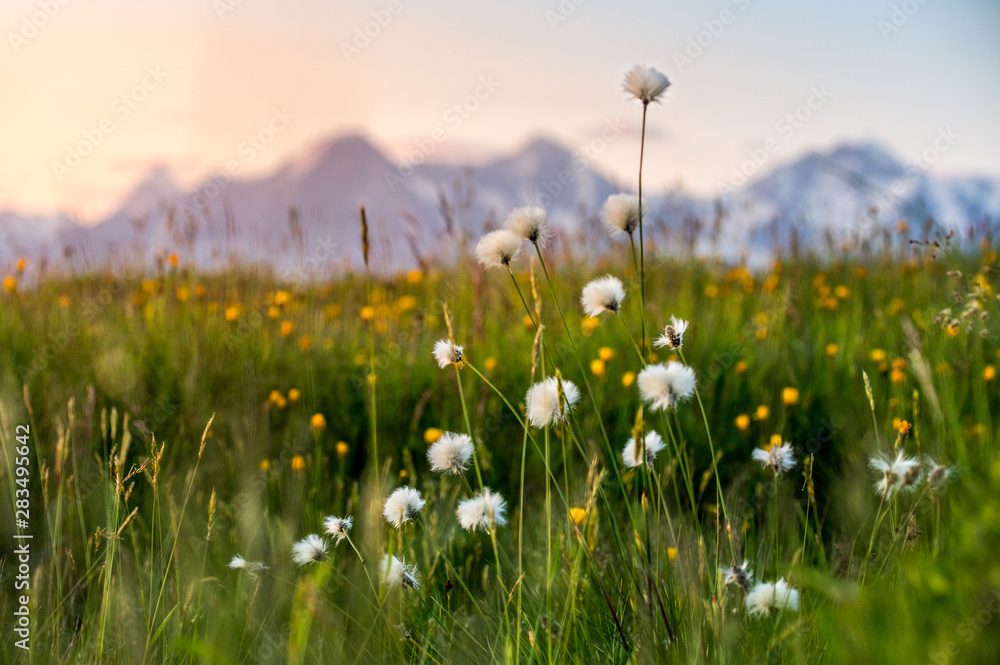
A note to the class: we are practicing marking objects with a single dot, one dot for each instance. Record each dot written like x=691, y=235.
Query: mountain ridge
x=315, y=196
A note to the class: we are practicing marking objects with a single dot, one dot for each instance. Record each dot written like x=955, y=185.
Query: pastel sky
x=200, y=76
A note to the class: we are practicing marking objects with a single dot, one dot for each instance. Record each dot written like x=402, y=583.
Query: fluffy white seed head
x=402, y=506
x=253, y=568
x=338, y=527
x=777, y=458
x=937, y=475
x=632, y=456
x=395, y=573
x=309, y=549
x=529, y=223
x=663, y=386
x=604, y=294
x=544, y=404
x=767, y=596
x=482, y=511
x=645, y=83
x=498, y=248
x=901, y=473
x=740, y=575
x=673, y=334
x=446, y=352
x=621, y=214
x=451, y=452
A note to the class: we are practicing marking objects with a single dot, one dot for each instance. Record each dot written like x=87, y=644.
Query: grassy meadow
x=179, y=419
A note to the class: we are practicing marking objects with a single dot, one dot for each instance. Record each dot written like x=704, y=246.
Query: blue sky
x=898, y=72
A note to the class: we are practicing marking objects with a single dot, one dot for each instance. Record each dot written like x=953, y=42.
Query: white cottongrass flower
x=604, y=294
x=631, y=455
x=253, y=568
x=767, y=596
x=396, y=573
x=309, y=549
x=338, y=527
x=529, y=223
x=779, y=458
x=663, y=386
x=673, y=334
x=485, y=509
x=621, y=214
x=498, y=248
x=938, y=475
x=902, y=473
x=645, y=83
x=740, y=575
x=451, y=452
x=544, y=404
x=402, y=506
x=446, y=352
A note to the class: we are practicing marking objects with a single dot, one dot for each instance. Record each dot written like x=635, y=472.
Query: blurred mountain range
x=304, y=216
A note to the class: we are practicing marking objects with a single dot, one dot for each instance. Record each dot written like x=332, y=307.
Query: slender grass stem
x=879, y=516
x=715, y=469
x=642, y=244
x=468, y=425
x=775, y=525
x=642, y=358
x=517, y=287
x=586, y=381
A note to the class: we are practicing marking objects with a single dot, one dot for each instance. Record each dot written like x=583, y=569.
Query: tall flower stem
x=455, y=572
x=642, y=244
x=775, y=524
x=879, y=516
x=468, y=425
x=586, y=381
x=715, y=468
x=517, y=287
x=642, y=358
x=682, y=465
x=520, y=542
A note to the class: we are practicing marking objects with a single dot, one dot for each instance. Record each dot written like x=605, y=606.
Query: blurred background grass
x=101, y=364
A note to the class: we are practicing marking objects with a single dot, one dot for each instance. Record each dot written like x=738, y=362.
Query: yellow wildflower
x=790, y=396
x=743, y=422
x=318, y=422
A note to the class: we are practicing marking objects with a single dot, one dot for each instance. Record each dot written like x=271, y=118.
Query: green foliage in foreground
x=136, y=510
